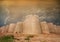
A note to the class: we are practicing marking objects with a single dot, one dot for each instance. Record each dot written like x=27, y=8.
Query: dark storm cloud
x=2, y=16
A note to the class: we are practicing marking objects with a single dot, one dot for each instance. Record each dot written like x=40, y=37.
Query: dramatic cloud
x=47, y=10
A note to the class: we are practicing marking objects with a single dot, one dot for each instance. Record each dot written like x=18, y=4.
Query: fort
x=32, y=26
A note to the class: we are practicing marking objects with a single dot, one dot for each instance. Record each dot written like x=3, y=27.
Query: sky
x=12, y=11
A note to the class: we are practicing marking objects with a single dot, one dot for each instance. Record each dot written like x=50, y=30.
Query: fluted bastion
x=44, y=27
x=7, y=27
x=19, y=27
x=3, y=29
x=11, y=28
x=51, y=27
x=58, y=29
x=31, y=25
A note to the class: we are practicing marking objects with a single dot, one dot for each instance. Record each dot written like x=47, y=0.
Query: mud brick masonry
x=30, y=25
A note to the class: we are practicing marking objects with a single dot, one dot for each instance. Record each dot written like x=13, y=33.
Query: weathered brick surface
x=6, y=28
x=3, y=29
x=44, y=27
x=40, y=38
x=31, y=25
x=11, y=28
x=18, y=28
x=58, y=29
x=51, y=27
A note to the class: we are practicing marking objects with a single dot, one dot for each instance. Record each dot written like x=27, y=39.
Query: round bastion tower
x=31, y=25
